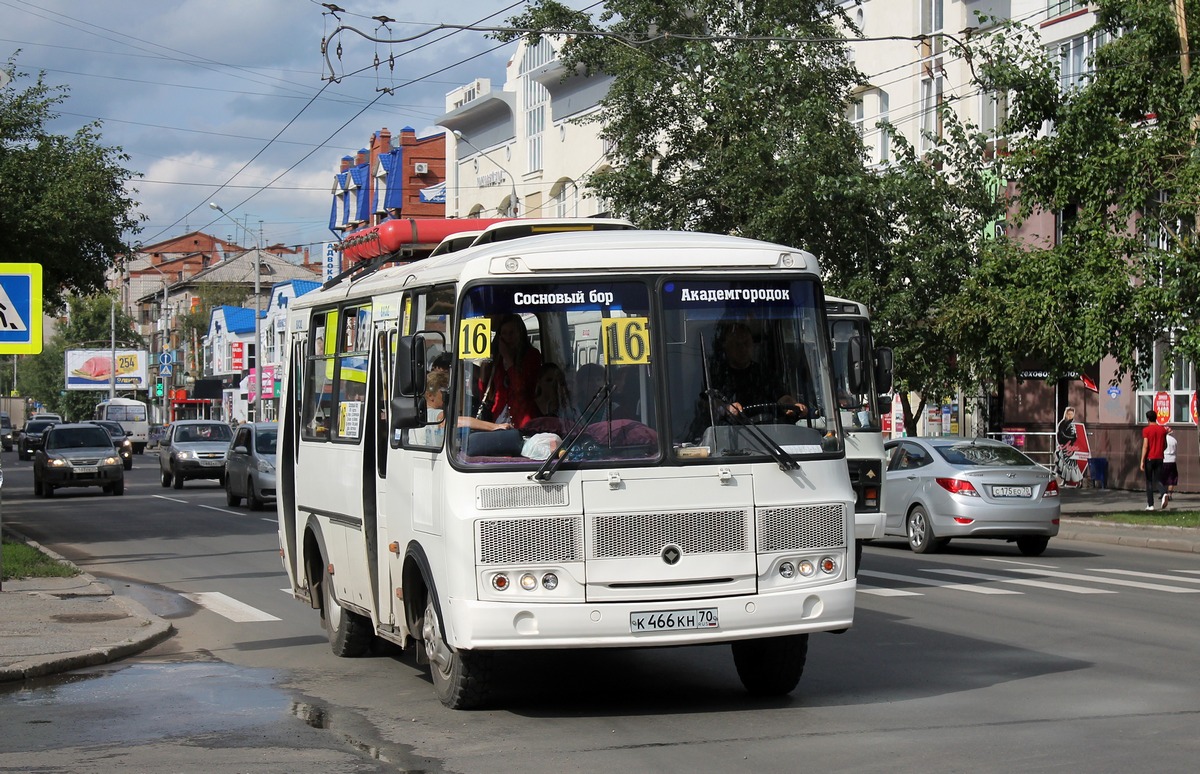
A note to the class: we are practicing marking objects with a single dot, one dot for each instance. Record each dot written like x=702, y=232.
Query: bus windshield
x=539, y=362
x=860, y=411
x=743, y=358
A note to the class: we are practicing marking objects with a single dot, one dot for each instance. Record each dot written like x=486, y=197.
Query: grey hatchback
x=193, y=448
x=250, y=465
x=77, y=455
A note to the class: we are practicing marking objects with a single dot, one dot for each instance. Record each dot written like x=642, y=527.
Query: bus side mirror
x=883, y=369
x=408, y=400
x=857, y=362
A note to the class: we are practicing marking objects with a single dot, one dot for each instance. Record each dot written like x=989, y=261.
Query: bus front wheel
x=460, y=677
x=349, y=633
x=771, y=666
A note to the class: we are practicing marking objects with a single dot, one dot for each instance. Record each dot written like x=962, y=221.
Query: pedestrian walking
x=1154, y=445
x=1170, y=471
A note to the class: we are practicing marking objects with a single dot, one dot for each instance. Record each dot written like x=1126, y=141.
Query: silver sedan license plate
x=673, y=620
x=1012, y=491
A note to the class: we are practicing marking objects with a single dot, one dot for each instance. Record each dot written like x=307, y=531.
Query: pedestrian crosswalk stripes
x=974, y=589
x=1028, y=575
x=1025, y=582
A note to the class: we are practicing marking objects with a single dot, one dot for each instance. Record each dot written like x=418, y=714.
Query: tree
x=737, y=122
x=63, y=201
x=89, y=326
x=1122, y=171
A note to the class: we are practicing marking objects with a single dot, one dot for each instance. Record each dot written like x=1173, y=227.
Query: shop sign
x=1162, y=407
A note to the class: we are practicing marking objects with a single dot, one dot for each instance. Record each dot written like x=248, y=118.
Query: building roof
x=239, y=269
x=238, y=319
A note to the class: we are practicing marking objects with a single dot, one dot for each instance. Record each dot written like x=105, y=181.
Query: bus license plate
x=673, y=620
x=1012, y=491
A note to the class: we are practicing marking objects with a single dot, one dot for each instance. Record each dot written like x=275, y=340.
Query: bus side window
x=318, y=378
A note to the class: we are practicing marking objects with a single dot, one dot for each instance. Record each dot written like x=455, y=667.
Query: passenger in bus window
x=509, y=379
x=551, y=394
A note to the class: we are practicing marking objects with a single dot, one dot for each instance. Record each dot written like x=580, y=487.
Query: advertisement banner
x=237, y=359
x=1162, y=407
x=267, y=382
x=92, y=369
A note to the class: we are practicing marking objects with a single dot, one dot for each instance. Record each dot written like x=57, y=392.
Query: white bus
x=859, y=392
x=133, y=416
x=668, y=513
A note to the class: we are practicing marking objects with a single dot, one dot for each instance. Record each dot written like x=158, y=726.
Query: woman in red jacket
x=508, y=384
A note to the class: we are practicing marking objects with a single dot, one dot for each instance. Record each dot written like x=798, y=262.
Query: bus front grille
x=801, y=528
x=621, y=535
x=516, y=541
x=520, y=496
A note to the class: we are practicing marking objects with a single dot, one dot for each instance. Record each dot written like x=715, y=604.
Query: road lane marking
x=1152, y=575
x=1024, y=582
x=229, y=607
x=1023, y=564
x=936, y=582
x=220, y=510
x=883, y=591
x=1110, y=581
x=172, y=499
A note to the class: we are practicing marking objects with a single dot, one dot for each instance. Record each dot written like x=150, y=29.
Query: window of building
x=1075, y=55
x=1171, y=372
x=1056, y=8
x=933, y=76
x=537, y=99
x=993, y=112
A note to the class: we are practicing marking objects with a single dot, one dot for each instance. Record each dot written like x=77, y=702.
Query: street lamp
x=258, y=365
x=515, y=202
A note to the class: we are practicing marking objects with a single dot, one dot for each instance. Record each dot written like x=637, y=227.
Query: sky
x=229, y=101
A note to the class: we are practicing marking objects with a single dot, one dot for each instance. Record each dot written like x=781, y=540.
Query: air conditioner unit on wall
x=421, y=168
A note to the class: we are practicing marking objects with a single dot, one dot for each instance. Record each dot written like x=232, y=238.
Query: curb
x=152, y=631
x=157, y=630
x=1181, y=539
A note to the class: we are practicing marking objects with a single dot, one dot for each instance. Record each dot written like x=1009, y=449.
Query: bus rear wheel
x=460, y=677
x=771, y=666
x=349, y=633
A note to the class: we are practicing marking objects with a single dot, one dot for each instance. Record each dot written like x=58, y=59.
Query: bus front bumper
x=476, y=625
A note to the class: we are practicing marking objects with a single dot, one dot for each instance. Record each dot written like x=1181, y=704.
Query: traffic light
x=159, y=387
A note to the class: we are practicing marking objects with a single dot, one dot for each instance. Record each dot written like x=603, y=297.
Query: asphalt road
x=976, y=659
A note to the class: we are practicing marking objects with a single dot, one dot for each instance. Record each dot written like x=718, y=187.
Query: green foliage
x=22, y=560
x=63, y=201
x=1122, y=169
x=88, y=326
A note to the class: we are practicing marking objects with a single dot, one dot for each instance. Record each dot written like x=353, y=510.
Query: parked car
x=6, y=431
x=31, y=437
x=942, y=488
x=250, y=465
x=77, y=455
x=121, y=439
x=194, y=448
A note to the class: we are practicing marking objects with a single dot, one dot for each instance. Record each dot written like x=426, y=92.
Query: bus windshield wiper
x=552, y=463
x=778, y=453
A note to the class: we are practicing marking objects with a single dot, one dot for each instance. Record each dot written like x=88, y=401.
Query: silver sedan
x=936, y=489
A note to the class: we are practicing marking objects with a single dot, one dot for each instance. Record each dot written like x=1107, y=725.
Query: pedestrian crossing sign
x=20, y=308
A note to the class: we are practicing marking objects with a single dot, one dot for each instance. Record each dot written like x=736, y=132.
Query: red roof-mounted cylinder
x=391, y=235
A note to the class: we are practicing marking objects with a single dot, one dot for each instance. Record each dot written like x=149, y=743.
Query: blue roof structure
x=238, y=319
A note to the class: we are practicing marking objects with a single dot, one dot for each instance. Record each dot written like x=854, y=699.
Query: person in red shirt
x=1154, y=443
x=509, y=380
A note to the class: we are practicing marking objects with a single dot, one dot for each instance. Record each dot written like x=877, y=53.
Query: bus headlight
x=529, y=581
x=829, y=565
x=549, y=581
x=500, y=581
x=807, y=569
x=787, y=570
